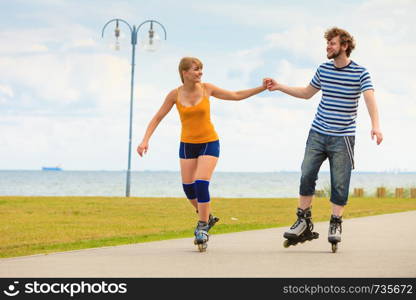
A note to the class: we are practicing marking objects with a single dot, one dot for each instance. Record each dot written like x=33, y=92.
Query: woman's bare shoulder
x=173, y=94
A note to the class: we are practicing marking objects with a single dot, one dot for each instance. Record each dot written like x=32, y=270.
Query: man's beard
x=334, y=55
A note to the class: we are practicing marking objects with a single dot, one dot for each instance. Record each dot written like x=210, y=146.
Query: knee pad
x=189, y=189
x=202, y=192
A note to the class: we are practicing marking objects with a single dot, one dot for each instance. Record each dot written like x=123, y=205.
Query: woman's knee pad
x=202, y=190
x=189, y=189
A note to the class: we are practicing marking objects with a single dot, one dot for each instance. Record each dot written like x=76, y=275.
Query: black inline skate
x=334, y=232
x=301, y=230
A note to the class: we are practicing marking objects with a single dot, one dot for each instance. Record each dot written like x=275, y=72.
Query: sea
x=168, y=183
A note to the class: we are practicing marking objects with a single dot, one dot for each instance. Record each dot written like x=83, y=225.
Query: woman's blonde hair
x=186, y=63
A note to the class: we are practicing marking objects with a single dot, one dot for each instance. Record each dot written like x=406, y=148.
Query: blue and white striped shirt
x=341, y=90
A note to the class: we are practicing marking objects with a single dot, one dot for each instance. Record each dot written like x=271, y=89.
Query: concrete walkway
x=379, y=246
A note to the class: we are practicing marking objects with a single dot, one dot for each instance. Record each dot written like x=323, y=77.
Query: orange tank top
x=196, y=121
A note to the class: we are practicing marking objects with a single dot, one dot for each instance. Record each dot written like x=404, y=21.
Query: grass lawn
x=33, y=225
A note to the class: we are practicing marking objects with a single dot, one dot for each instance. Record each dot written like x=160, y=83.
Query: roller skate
x=212, y=220
x=301, y=230
x=334, y=232
x=201, y=236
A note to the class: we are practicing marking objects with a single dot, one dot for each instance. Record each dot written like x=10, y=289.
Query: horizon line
x=396, y=171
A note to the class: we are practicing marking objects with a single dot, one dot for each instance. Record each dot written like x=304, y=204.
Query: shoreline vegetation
x=42, y=225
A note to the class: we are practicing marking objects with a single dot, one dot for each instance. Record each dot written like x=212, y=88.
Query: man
x=332, y=134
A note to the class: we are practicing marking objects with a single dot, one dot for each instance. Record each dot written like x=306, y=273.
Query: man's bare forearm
x=371, y=104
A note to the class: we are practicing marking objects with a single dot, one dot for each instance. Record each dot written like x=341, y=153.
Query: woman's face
x=194, y=74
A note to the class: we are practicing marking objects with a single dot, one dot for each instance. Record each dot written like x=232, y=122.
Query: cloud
x=65, y=98
x=6, y=91
x=274, y=15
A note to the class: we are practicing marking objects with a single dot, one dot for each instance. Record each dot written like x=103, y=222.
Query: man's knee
x=307, y=184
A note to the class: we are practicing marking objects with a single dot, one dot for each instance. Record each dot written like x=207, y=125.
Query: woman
x=199, y=146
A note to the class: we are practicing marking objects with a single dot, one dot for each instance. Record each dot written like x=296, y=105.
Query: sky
x=65, y=91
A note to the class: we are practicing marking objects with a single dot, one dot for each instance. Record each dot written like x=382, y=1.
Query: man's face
x=334, y=48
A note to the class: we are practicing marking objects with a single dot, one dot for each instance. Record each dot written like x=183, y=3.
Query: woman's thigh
x=188, y=169
x=205, y=167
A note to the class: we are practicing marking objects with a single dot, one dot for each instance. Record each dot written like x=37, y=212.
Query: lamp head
x=117, y=35
x=152, y=41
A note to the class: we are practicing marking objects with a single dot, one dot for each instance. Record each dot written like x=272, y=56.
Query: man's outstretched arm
x=298, y=92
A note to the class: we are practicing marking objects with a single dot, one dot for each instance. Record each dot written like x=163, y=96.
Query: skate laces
x=302, y=216
x=202, y=226
x=334, y=226
x=201, y=233
x=297, y=223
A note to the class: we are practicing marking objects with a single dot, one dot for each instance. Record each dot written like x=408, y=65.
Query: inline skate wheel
x=202, y=247
x=286, y=244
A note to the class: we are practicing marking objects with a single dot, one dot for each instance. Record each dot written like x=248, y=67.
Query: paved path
x=379, y=246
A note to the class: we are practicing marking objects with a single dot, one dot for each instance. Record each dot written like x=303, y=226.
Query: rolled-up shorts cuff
x=339, y=202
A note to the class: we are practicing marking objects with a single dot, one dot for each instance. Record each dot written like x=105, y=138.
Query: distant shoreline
x=227, y=172
x=147, y=183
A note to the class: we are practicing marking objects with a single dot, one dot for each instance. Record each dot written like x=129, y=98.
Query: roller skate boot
x=301, y=230
x=334, y=232
x=201, y=235
x=212, y=220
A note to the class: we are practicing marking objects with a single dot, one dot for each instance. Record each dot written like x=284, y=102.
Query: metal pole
x=134, y=32
x=133, y=50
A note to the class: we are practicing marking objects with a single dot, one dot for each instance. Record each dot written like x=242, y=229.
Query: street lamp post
x=151, y=43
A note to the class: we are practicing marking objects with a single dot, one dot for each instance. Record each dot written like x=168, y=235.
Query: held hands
x=379, y=136
x=142, y=148
x=270, y=84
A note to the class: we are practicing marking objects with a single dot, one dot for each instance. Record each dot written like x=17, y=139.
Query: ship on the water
x=57, y=168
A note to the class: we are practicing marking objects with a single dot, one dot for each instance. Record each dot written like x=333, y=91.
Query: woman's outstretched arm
x=233, y=95
x=158, y=117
